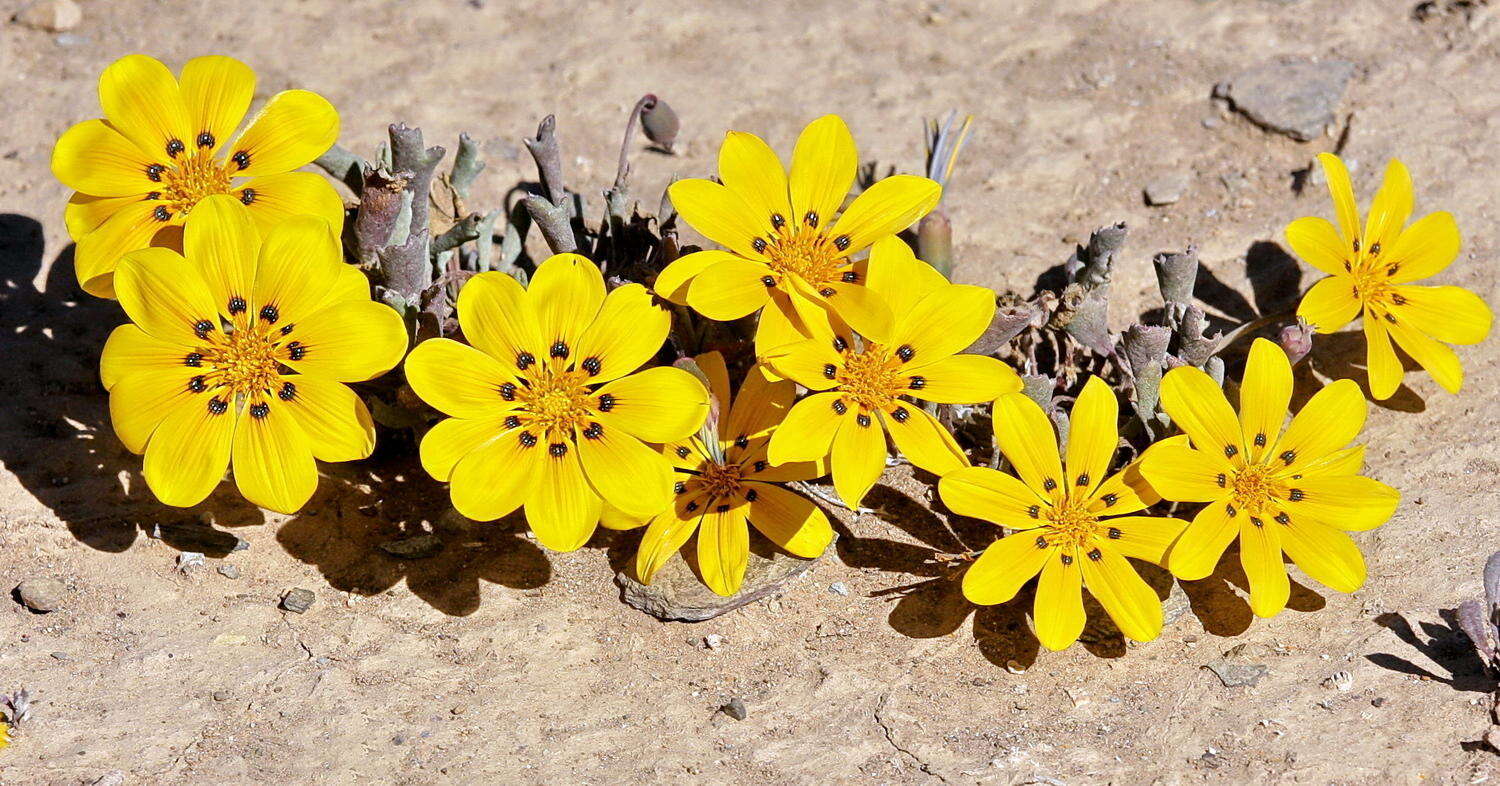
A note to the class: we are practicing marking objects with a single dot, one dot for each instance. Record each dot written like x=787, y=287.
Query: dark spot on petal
x=1096, y=555
x=900, y=414
x=247, y=195
x=202, y=328
x=194, y=359
x=1035, y=511
x=1115, y=533
x=511, y=421
x=557, y=449
x=849, y=277
x=1067, y=559
x=288, y=392
x=559, y=349
x=863, y=420
x=768, y=281
x=682, y=451
x=1230, y=451
x=259, y=410
x=527, y=439
x=679, y=487
x=811, y=219
x=161, y=213
x=154, y=171
x=241, y=159
x=217, y=406
x=525, y=360
x=175, y=146
x=205, y=139
x=760, y=466
x=1288, y=457
x=270, y=314
x=839, y=407
x=906, y=353
x=591, y=366
x=742, y=442
x=841, y=242
x=606, y=402
x=778, y=220
x=1049, y=484
x=1296, y=495
x=1222, y=480
x=508, y=391
x=594, y=431
x=917, y=383
x=1083, y=480
x=1110, y=500
x=830, y=371
x=295, y=351
x=839, y=344
x=751, y=495
x=828, y=292
x=1260, y=440
x=197, y=384
x=759, y=244
x=1283, y=519
x=236, y=305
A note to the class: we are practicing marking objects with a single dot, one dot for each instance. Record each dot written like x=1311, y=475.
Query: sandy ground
x=497, y=662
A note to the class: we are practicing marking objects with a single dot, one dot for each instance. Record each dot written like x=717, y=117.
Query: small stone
x=1339, y=680
x=54, y=16
x=1014, y=666
x=735, y=708
x=222, y=695
x=418, y=547
x=1211, y=122
x=1378, y=701
x=188, y=560
x=459, y=710
x=1235, y=675
x=111, y=778
x=298, y=600
x=60, y=656
x=1296, y=97
x=229, y=570
x=1166, y=189
x=839, y=588
x=713, y=641
x=41, y=595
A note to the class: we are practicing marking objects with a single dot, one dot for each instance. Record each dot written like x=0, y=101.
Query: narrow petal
x=1349, y=461
x=448, y=442
x=789, y=520
x=1328, y=421
x=729, y=290
x=1330, y=304
x=1264, y=395
x=1146, y=538
x=761, y=405
x=142, y=397
x=824, y=164
x=295, y=127
x=1452, y=315
x=626, y=473
x=222, y=242
x=99, y=252
x=300, y=264
x=724, y=549
x=885, y=208
x=673, y=281
x=1330, y=557
x=808, y=431
x=1390, y=208
x=1348, y=502
x=1025, y=436
x=657, y=405
x=944, y=322
x=1260, y=556
x=991, y=495
x=336, y=421
x=1184, y=474
x=1318, y=244
x=275, y=198
x=459, y=380
x=565, y=293
x=130, y=349
x=859, y=306
x=898, y=276
x=273, y=461
x=141, y=99
x=1197, y=552
x=1424, y=249
x=923, y=440
x=495, y=475
x=1438, y=359
x=217, y=92
x=711, y=365
x=750, y=168
x=1093, y=435
x=1342, y=192
x=1125, y=596
x=94, y=158
x=628, y=331
x=1004, y=567
x=1381, y=363
x=1058, y=613
x=858, y=455
x=719, y=214
x=497, y=318
x=350, y=341
x=1197, y=405
x=811, y=363
x=85, y=213
x=166, y=296
x=561, y=506
x=664, y=536
x=963, y=379
x=188, y=454
x=780, y=324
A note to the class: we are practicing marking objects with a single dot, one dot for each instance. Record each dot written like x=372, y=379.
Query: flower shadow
x=55, y=432
x=1220, y=603
x=1342, y=356
x=1445, y=645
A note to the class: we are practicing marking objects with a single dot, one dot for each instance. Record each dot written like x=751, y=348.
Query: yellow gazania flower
x=545, y=410
x=786, y=250
x=1074, y=522
x=862, y=382
x=1369, y=273
x=164, y=145
x=1291, y=493
x=238, y=354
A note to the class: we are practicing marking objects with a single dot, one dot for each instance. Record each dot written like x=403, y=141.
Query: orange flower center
x=198, y=176
x=720, y=480
x=872, y=377
x=807, y=253
x=1069, y=523
x=1253, y=486
x=557, y=402
x=245, y=359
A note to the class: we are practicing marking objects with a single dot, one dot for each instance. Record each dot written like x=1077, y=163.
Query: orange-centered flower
x=789, y=249
x=1278, y=492
x=167, y=143
x=1369, y=273
x=867, y=382
x=238, y=354
x=1074, y=519
x=546, y=411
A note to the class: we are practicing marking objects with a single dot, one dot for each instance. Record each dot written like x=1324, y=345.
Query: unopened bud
x=1296, y=340
x=935, y=242
x=659, y=122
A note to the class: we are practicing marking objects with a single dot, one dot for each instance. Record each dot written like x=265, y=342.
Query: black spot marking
x=202, y=328
x=1067, y=559
x=841, y=242
x=849, y=277
x=247, y=196
x=512, y=421
x=828, y=292
x=917, y=383
x=295, y=351
x=1230, y=451
x=1041, y=542
x=906, y=353
x=778, y=220
x=830, y=371
x=722, y=509
x=1392, y=270
x=594, y=431
x=1375, y=250
x=217, y=406
x=900, y=415
x=241, y=159
x=690, y=507
x=1110, y=500
x=154, y=195
x=525, y=360
x=205, y=139
x=1356, y=245
x=1115, y=533
x=1260, y=440
x=1283, y=519
x=175, y=146
x=287, y=328
x=288, y=392
x=194, y=359
x=591, y=365
x=161, y=213
x=559, y=349
x=751, y=495
x=606, y=402
x=1296, y=495
x=153, y=171
x=527, y=439
x=863, y=420
x=508, y=391
x=197, y=384
x=1398, y=299
x=1288, y=457
x=1096, y=555
x=1229, y=509
x=1348, y=266
x=236, y=305
x=1257, y=522
x=557, y=449
x=811, y=219
x=679, y=487
x=1222, y=480
x=259, y=410
x=767, y=281
x=742, y=442
x=1049, y=484
x=839, y=407
x=682, y=451
x=1083, y=480
x=1035, y=511
x=839, y=344
x=1389, y=317
x=759, y=244
x=760, y=466
x=270, y=314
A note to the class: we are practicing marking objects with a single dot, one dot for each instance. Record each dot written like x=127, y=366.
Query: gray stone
x=229, y=570
x=676, y=594
x=839, y=588
x=735, y=708
x=42, y=595
x=222, y=695
x=54, y=16
x=188, y=560
x=1234, y=674
x=419, y=547
x=298, y=600
x=1166, y=189
x=1296, y=97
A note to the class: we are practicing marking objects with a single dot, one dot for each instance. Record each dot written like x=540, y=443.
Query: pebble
x=60, y=656
x=298, y=600
x=713, y=641
x=111, y=778
x=1296, y=96
x=1235, y=675
x=839, y=588
x=53, y=16
x=222, y=695
x=1166, y=189
x=42, y=595
x=188, y=560
x=1340, y=680
x=735, y=708
x=229, y=570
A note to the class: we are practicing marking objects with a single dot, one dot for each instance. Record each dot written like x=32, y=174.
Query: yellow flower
x=863, y=383
x=786, y=250
x=1073, y=520
x=4, y=735
x=1369, y=273
x=545, y=410
x=724, y=480
x=164, y=145
x=1279, y=492
x=238, y=354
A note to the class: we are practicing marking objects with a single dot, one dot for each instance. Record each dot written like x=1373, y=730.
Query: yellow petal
x=858, y=455
x=188, y=453
x=294, y=127
x=898, y=276
x=1025, y=436
x=141, y=99
x=565, y=294
x=991, y=495
x=1145, y=538
x=718, y=214
x=808, y=431
x=141, y=398
x=85, y=213
x=1264, y=395
x=1438, y=359
x=1328, y=556
x=656, y=405
x=1318, y=244
x=350, y=341
x=1330, y=304
x=1184, y=474
x=627, y=333
x=1124, y=492
x=780, y=324
x=1349, y=461
x=217, y=92
x=1260, y=556
x=812, y=363
x=166, y=296
x=561, y=507
x=337, y=423
x=626, y=473
x=1328, y=421
x=762, y=404
x=273, y=461
x=299, y=267
x=711, y=364
x=944, y=322
x=497, y=318
x=1452, y=315
x=1092, y=436
x=1127, y=598
x=1197, y=552
x=94, y=158
x=99, y=252
x=130, y=349
x=729, y=289
x=664, y=536
x=1004, y=567
x=273, y=199
x=1197, y=405
x=1347, y=502
x=1390, y=208
x=672, y=282
x=789, y=520
x=495, y=476
x=221, y=240
x=858, y=306
x=1425, y=248
x=824, y=164
x=779, y=473
x=885, y=208
x=724, y=549
x=1381, y=363
x=1058, y=613
x=750, y=168
x=448, y=442
x=1342, y=192
x=459, y=380
x=963, y=379
x=922, y=439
